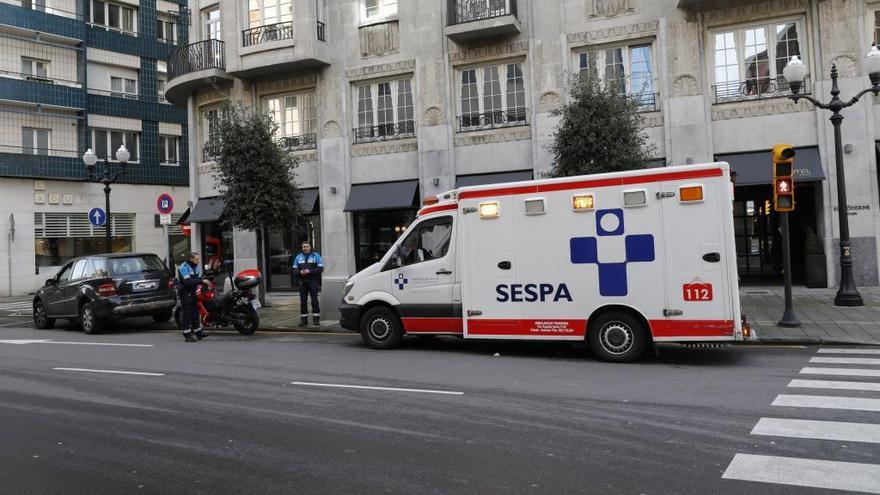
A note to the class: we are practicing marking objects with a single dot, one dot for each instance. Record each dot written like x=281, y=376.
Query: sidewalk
x=821, y=321
x=285, y=317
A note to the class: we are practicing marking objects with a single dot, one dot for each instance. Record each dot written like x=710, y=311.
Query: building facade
x=74, y=75
x=386, y=102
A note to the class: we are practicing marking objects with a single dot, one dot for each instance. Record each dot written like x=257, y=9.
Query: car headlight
x=347, y=289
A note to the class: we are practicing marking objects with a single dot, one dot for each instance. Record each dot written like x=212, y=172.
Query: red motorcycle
x=237, y=308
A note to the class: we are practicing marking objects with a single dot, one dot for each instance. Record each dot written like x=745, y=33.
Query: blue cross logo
x=612, y=276
x=401, y=282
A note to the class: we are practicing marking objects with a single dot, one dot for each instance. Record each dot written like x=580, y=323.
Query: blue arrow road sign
x=97, y=217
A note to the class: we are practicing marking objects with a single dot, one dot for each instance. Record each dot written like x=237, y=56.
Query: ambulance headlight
x=347, y=289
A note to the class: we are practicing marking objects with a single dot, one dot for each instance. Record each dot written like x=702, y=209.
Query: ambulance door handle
x=712, y=257
x=504, y=265
x=444, y=272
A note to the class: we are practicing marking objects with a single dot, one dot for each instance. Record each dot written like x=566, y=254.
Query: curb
x=812, y=341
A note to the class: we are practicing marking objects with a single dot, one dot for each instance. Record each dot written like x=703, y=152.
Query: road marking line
x=848, y=351
x=837, y=385
x=815, y=473
x=828, y=402
x=366, y=387
x=113, y=372
x=97, y=343
x=840, y=371
x=844, y=360
x=818, y=430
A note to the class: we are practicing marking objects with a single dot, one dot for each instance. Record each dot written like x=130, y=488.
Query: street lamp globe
x=795, y=72
x=90, y=158
x=122, y=154
x=872, y=65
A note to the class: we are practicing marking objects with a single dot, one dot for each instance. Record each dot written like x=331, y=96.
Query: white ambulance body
x=620, y=259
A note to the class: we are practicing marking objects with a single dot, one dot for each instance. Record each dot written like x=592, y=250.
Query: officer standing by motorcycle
x=189, y=274
x=307, y=268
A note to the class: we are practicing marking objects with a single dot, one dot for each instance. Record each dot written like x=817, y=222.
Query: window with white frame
x=168, y=150
x=161, y=80
x=378, y=9
x=748, y=61
x=166, y=28
x=492, y=96
x=39, y=5
x=212, y=24
x=123, y=87
x=114, y=16
x=106, y=142
x=295, y=115
x=210, y=134
x=384, y=110
x=35, y=141
x=624, y=70
x=34, y=68
x=266, y=12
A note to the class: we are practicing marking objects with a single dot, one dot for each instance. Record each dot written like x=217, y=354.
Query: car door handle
x=444, y=272
x=712, y=257
x=504, y=265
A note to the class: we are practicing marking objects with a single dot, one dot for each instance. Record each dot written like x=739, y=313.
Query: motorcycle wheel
x=251, y=320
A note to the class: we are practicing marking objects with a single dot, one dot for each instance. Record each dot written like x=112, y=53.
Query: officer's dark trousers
x=308, y=288
x=189, y=318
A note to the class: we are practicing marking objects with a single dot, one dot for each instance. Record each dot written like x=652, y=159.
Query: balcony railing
x=301, y=142
x=36, y=151
x=493, y=120
x=70, y=14
x=39, y=79
x=322, y=31
x=127, y=32
x=115, y=94
x=202, y=55
x=385, y=132
x=267, y=33
x=756, y=89
x=461, y=11
x=647, y=101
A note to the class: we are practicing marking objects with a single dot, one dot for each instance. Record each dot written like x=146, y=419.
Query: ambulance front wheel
x=617, y=337
x=381, y=328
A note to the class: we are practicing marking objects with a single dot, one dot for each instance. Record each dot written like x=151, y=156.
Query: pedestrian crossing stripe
x=828, y=402
x=848, y=351
x=815, y=473
x=16, y=305
x=818, y=430
x=845, y=360
x=835, y=385
x=840, y=371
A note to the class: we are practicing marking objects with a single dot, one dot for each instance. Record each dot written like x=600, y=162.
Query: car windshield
x=134, y=264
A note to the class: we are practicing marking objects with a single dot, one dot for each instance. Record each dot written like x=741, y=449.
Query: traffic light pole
x=788, y=317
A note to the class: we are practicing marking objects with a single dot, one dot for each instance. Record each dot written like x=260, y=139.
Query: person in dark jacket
x=189, y=274
x=307, y=268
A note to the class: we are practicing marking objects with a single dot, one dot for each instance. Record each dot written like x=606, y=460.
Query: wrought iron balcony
x=494, y=119
x=267, y=33
x=385, y=132
x=756, y=89
x=301, y=142
x=202, y=55
x=322, y=31
x=461, y=11
x=647, y=101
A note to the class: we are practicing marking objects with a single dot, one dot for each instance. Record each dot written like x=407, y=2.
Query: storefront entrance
x=283, y=245
x=758, y=235
x=376, y=232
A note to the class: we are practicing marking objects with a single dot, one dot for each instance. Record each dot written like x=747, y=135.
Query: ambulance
x=620, y=260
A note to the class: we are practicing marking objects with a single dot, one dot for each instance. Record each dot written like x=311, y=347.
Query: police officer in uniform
x=189, y=274
x=307, y=268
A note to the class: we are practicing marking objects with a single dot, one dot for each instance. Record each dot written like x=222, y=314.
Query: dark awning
x=206, y=210
x=496, y=178
x=383, y=196
x=308, y=200
x=756, y=167
x=184, y=219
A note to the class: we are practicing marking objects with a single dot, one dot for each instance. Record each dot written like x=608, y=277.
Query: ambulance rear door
x=487, y=254
x=698, y=305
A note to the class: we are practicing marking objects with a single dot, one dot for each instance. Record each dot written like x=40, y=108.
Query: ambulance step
x=706, y=345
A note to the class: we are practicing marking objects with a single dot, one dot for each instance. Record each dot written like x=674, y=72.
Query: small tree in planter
x=814, y=261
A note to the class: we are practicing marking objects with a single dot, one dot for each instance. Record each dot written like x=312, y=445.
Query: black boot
x=316, y=319
x=200, y=334
x=303, y=321
x=189, y=337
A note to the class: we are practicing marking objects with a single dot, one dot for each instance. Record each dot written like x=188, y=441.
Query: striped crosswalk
x=856, y=391
x=19, y=307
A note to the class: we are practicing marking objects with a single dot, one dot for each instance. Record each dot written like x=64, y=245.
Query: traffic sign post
x=164, y=205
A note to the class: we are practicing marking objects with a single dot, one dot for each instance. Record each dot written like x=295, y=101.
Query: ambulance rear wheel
x=381, y=328
x=617, y=337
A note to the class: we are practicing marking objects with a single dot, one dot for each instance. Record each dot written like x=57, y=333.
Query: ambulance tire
x=381, y=328
x=617, y=337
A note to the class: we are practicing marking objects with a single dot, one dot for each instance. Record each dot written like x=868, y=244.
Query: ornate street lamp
x=107, y=178
x=795, y=71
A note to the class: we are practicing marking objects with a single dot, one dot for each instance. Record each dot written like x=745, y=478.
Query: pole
x=107, y=212
x=788, y=317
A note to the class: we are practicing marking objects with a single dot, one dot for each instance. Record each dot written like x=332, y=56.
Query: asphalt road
x=225, y=416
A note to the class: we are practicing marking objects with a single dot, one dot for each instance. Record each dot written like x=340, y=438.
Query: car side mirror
x=51, y=281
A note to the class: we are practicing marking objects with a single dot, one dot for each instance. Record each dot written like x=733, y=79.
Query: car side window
x=89, y=269
x=64, y=273
x=428, y=241
x=99, y=266
x=78, y=269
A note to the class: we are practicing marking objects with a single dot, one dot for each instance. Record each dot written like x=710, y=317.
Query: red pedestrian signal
x=783, y=178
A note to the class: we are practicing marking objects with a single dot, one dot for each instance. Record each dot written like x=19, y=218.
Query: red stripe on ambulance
x=692, y=328
x=432, y=325
x=547, y=328
x=435, y=209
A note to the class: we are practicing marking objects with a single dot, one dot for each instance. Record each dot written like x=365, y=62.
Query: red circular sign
x=164, y=203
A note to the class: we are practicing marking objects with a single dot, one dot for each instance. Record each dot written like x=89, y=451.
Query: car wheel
x=381, y=329
x=617, y=337
x=163, y=317
x=41, y=318
x=89, y=321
